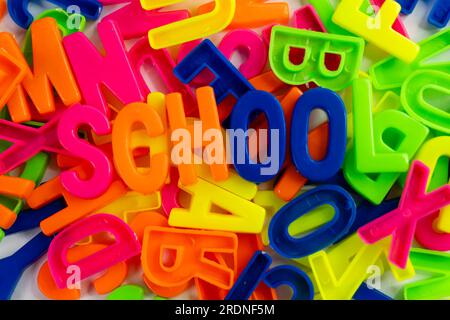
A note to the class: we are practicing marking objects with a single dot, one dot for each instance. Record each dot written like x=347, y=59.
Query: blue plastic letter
x=250, y=277
x=300, y=283
x=228, y=79
x=332, y=104
x=251, y=103
x=18, y=9
x=293, y=247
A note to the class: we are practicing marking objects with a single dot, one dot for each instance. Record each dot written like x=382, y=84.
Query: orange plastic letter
x=50, y=65
x=190, y=262
x=254, y=13
x=177, y=120
x=154, y=177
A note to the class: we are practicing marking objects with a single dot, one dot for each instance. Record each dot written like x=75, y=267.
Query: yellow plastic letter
x=377, y=30
x=189, y=29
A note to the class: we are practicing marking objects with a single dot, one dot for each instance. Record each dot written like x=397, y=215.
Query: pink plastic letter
x=429, y=237
x=254, y=46
x=163, y=63
x=415, y=204
x=27, y=142
x=125, y=247
x=134, y=22
x=102, y=175
x=92, y=70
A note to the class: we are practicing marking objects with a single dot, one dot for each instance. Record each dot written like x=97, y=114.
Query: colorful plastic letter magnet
x=143, y=20
x=249, y=42
x=411, y=134
x=377, y=30
x=435, y=154
x=140, y=54
x=101, y=178
x=345, y=211
x=313, y=68
x=228, y=79
x=254, y=13
x=414, y=205
x=391, y=72
x=28, y=142
x=104, y=283
x=193, y=28
x=250, y=277
x=189, y=248
x=367, y=158
x=244, y=216
x=18, y=9
x=332, y=104
x=128, y=118
x=126, y=245
x=67, y=24
x=109, y=69
x=414, y=100
x=249, y=104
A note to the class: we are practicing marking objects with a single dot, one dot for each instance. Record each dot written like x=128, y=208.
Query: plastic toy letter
x=430, y=153
x=246, y=216
x=227, y=79
x=155, y=175
x=296, y=247
x=414, y=205
x=69, y=124
x=340, y=271
x=189, y=29
x=411, y=136
x=18, y=9
x=126, y=246
x=51, y=69
x=254, y=13
x=377, y=30
x=27, y=142
x=112, y=70
x=414, y=100
x=143, y=20
x=331, y=103
x=191, y=260
x=313, y=68
x=251, y=103
x=367, y=157
x=249, y=42
x=391, y=72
